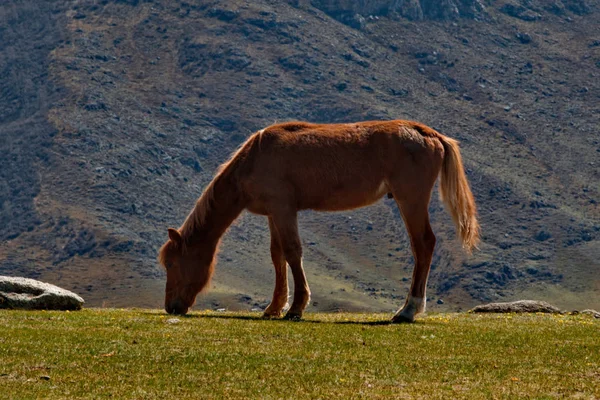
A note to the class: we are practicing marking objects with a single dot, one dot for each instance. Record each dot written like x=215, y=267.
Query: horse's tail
x=456, y=194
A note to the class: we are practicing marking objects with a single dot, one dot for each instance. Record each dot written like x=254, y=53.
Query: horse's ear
x=175, y=236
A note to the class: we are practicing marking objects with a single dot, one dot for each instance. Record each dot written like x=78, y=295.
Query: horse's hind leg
x=286, y=223
x=416, y=219
x=280, y=294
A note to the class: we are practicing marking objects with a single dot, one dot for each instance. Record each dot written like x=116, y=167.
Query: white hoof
x=413, y=307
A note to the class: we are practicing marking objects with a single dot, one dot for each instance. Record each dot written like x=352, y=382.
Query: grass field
x=146, y=354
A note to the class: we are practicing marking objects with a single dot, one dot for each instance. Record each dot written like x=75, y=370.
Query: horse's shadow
x=260, y=318
x=284, y=320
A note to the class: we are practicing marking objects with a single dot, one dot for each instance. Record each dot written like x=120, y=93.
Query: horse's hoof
x=402, y=319
x=292, y=317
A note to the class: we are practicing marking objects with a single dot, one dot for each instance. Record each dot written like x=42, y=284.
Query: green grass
x=107, y=353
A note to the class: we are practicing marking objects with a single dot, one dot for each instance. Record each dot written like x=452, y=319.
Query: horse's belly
x=348, y=198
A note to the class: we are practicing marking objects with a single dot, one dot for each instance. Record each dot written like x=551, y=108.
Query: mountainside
x=115, y=114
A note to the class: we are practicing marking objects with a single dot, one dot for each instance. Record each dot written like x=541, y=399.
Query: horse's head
x=189, y=269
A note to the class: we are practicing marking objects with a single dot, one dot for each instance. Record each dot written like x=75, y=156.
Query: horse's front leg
x=280, y=294
x=286, y=223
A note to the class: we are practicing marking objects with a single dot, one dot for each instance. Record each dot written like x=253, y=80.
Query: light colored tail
x=456, y=194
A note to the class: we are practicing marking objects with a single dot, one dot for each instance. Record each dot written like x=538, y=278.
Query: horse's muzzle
x=176, y=307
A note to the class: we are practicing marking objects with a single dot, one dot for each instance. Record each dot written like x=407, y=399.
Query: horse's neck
x=225, y=206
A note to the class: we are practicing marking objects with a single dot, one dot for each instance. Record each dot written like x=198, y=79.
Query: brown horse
x=326, y=167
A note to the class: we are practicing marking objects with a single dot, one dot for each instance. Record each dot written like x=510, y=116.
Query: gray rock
x=518, y=11
x=524, y=38
x=29, y=294
x=521, y=306
x=594, y=313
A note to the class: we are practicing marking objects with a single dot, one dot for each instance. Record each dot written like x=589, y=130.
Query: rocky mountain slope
x=115, y=114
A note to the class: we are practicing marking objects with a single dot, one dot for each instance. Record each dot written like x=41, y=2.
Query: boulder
x=521, y=306
x=593, y=313
x=29, y=294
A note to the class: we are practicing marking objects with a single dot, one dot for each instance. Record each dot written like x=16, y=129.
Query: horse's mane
x=197, y=217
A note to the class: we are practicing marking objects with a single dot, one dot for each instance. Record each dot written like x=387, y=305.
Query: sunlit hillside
x=115, y=114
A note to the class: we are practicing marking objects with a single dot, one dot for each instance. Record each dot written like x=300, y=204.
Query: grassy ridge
x=107, y=353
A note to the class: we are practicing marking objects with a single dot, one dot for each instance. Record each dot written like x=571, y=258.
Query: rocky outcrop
x=530, y=10
x=354, y=13
x=521, y=306
x=350, y=12
x=29, y=294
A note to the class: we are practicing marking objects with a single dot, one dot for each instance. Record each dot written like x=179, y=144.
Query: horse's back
x=334, y=166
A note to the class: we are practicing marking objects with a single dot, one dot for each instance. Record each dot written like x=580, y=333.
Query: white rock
x=29, y=294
